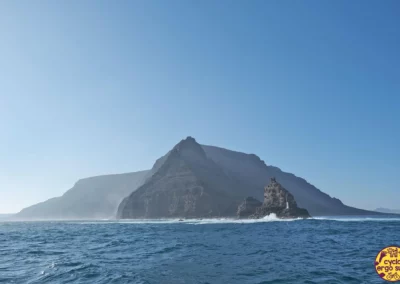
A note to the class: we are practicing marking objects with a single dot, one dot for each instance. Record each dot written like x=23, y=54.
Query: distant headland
x=193, y=181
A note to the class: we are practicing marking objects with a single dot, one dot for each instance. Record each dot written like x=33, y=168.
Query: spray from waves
x=269, y=218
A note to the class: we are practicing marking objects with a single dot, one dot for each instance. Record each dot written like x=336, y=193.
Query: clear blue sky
x=97, y=87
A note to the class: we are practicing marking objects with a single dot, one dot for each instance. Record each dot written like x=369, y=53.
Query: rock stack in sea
x=277, y=200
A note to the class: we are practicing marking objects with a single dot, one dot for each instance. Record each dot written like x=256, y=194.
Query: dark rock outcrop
x=184, y=184
x=248, y=207
x=279, y=201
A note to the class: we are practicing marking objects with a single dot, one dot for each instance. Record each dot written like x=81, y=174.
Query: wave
x=269, y=218
x=358, y=219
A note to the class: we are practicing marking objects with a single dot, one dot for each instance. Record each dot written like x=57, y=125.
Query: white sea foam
x=358, y=219
x=270, y=218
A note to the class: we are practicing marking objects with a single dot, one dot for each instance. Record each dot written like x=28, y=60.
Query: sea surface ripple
x=196, y=251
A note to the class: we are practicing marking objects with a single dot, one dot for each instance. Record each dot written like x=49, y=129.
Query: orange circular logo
x=387, y=264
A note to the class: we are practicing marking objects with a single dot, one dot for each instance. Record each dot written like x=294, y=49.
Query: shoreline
x=186, y=219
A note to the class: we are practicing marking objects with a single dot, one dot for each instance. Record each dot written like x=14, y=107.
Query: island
x=191, y=180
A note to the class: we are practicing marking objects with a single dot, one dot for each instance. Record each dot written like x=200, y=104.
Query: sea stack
x=277, y=200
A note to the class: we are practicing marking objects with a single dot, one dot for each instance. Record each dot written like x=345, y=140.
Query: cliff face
x=252, y=173
x=194, y=180
x=90, y=198
x=248, y=207
x=276, y=196
x=185, y=184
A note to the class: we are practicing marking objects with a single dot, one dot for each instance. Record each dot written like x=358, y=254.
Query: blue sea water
x=195, y=251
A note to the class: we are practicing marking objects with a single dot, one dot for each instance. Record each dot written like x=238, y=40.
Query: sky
x=99, y=87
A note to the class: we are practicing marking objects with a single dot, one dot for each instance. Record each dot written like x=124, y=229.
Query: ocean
x=323, y=250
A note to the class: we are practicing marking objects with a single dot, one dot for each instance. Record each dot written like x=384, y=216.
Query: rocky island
x=277, y=200
x=190, y=181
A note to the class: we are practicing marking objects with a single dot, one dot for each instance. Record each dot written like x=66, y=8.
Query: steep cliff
x=248, y=207
x=191, y=179
x=186, y=184
x=252, y=172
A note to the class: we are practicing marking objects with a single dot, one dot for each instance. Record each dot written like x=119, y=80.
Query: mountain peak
x=190, y=138
x=189, y=145
x=188, y=141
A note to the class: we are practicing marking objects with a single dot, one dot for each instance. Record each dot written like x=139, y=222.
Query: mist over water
x=195, y=251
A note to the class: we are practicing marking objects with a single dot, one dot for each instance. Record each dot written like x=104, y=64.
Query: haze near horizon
x=91, y=88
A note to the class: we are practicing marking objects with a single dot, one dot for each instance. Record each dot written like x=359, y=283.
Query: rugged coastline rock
x=277, y=200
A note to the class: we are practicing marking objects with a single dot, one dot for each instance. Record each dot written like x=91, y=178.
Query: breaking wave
x=269, y=218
